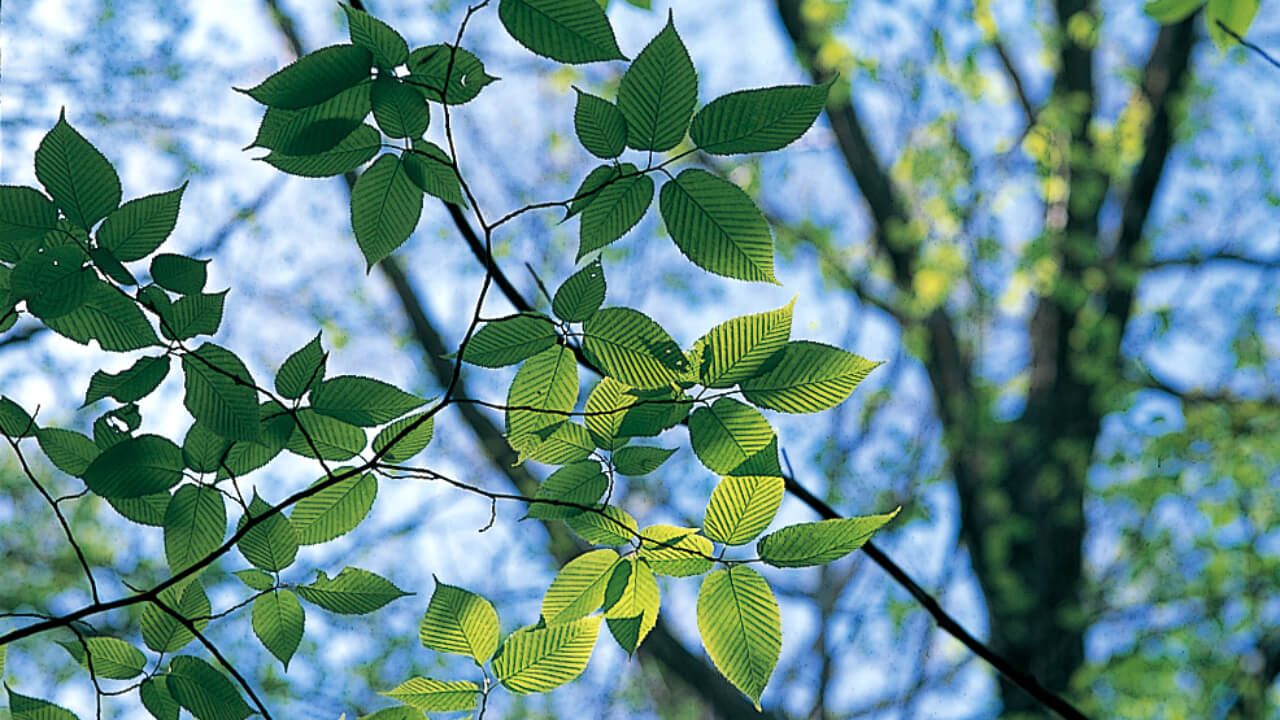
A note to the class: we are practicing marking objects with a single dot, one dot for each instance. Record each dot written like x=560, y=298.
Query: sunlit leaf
x=540, y=660
x=352, y=592
x=658, y=92
x=461, y=622
x=741, y=627
x=818, y=543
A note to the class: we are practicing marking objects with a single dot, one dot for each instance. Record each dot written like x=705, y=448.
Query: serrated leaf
x=110, y=658
x=398, y=712
x=179, y=273
x=109, y=317
x=600, y=126
x=741, y=627
x=607, y=525
x=53, y=282
x=131, y=384
x=145, y=510
x=605, y=410
x=78, y=177
x=314, y=77
x=764, y=462
x=717, y=226
x=742, y=507
x=543, y=391
x=26, y=215
x=352, y=592
x=589, y=190
x=724, y=435
x=68, y=450
x=302, y=370
x=362, y=401
x=675, y=551
x=568, y=31
x=1171, y=11
x=632, y=592
x=616, y=209
x=436, y=695
x=116, y=426
x=192, y=315
x=654, y=412
x=638, y=460
x=818, y=543
x=740, y=348
x=354, y=150
x=762, y=120
x=220, y=392
x=335, y=510
x=156, y=698
x=540, y=660
x=194, y=525
x=271, y=544
x=429, y=67
x=255, y=579
x=388, y=47
x=580, y=295
x=398, y=109
x=137, y=228
x=14, y=421
x=414, y=442
x=461, y=622
x=559, y=444
x=808, y=377
x=509, y=340
x=278, y=621
x=385, y=206
x=430, y=168
x=577, y=485
x=204, y=691
x=203, y=449
x=331, y=438
x=134, y=467
x=160, y=631
x=107, y=262
x=632, y=348
x=578, y=589
x=315, y=129
x=22, y=707
x=658, y=92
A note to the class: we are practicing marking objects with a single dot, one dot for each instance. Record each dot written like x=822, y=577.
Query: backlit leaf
x=335, y=510
x=540, y=660
x=578, y=589
x=717, y=226
x=607, y=525
x=220, y=392
x=204, y=691
x=79, y=179
x=314, y=77
x=724, y=435
x=569, y=31
x=808, y=377
x=302, y=370
x=509, y=340
x=675, y=551
x=616, y=209
x=818, y=543
x=413, y=442
x=581, y=295
x=362, y=401
x=272, y=544
x=352, y=592
x=742, y=507
x=658, y=92
x=138, y=227
x=385, y=205
x=194, y=525
x=751, y=121
x=632, y=348
x=577, y=485
x=461, y=622
x=278, y=621
x=741, y=627
x=600, y=126
x=544, y=390
x=738, y=349
x=436, y=695
x=134, y=467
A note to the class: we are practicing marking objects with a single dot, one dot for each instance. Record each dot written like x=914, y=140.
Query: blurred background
x=1056, y=222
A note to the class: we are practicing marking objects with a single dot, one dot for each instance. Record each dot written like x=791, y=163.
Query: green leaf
x=578, y=589
x=461, y=622
x=362, y=401
x=544, y=390
x=335, y=510
x=331, y=438
x=589, y=190
x=1166, y=12
x=203, y=449
x=25, y=216
x=111, y=658
x=632, y=592
x=808, y=377
x=302, y=370
x=436, y=695
x=255, y=579
x=605, y=411
x=398, y=712
x=388, y=47
x=600, y=126
x=109, y=317
x=138, y=227
x=818, y=543
x=751, y=121
x=430, y=168
x=1235, y=14
x=724, y=435
x=580, y=484
x=192, y=315
x=278, y=622
x=14, y=421
x=220, y=392
x=717, y=226
x=156, y=698
x=203, y=691
x=569, y=31
x=607, y=525
x=271, y=544
x=581, y=295
x=741, y=627
x=541, y=660
x=616, y=209
x=54, y=282
x=509, y=340
x=385, y=205
x=22, y=707
x=314, y=77
x=108, y=263
x=632, y=348
x=742, y=507
x=559, y=444
x=653, y=412
x=398, y=108
x=116, y=426
x=160, y=631
x=658, y=92
x=639, y=460
x=275, y=428
x=130, y=385
x=764, y=462
x=354, y=150
x=352, y=592
x=315, y=129
x=135, y=467
x=194, y=525
x=429, y=68
x=737, y=350
x=179, y=273
x=145, y=510
x=675, y=551
x=68, y=450
x=414, y=442
x=79, y=179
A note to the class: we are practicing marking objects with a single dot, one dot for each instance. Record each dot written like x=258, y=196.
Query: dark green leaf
x=160, y=631
x=314, y=77
x=724, y=435
x=156, y=698
x=362, y=401
x=203, y=691
x=145, y=510
x=660, y=410
x=315, y=129
x=398, y=108
x=571, y=489
x=135, y=467
x=179, y=273
x=388, y=48
x=616, y=209
x=762, y=120
x=581, y=295
x=109, y=317
x=589, y=190
x=430, y=169
x=632, y=348
x=25, y=216
x=332, y=438
x=54, y=282
x=429, y=67
x=302, y=370
x=509, y=340
x=351, y=152
x=68, y=450
x=335, y=510
x=600, y=126
x=14, y=421
x=22, y=707
x=658, y=92
x=278, y=622
x=352, y=592
x=569, y=31
x=272, y=544
x=107, y=262
x=192, y=315
x=109, y=657
x=79, y=179
x=115, y=426
x=638, y=460
x=808, y=377
x=194, y=525
x=414, y=442
x=139, y=226
x=129, y=385
x=385, y=205
x=203, y=449
x=220, y=392
x=717, y=226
